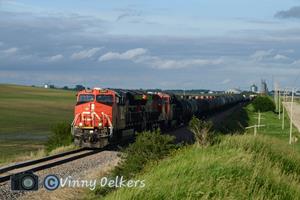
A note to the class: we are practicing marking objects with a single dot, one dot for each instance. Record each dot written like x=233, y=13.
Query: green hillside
x=27, y=114
x=240, y=167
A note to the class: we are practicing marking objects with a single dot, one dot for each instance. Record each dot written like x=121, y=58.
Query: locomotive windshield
x=105, y=99
x=84, y=98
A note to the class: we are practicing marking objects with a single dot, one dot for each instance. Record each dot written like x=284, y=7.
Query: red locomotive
x=102, y=115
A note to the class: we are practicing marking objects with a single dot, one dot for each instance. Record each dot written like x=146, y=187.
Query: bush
x=61, y=136
x=235, y=123
x=263, y=104
x=148, y=147
x=202, y=131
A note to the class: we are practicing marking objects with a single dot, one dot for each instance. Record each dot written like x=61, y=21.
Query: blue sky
x=150, y=44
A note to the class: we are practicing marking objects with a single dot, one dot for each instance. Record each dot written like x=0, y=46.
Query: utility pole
x=275, y=95
x=258, y=125
x=255, y=128
x=291, y=117
x=282, y=119
x=258, y=120
x=279, y=103
x=284, y=99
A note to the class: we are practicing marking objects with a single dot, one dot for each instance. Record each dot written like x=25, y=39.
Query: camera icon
x=26, y=181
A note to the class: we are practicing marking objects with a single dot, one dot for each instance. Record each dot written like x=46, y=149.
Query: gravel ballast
x=90, y=167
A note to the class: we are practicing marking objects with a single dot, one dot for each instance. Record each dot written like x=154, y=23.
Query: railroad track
x=44, y=163
x=58, y=159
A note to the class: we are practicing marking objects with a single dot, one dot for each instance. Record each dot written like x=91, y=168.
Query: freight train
x=105, y=115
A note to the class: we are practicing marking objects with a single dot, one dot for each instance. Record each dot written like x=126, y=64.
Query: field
x=27, y=114
x=273, y=125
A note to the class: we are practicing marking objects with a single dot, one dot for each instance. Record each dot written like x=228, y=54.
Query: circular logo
x=51, y=182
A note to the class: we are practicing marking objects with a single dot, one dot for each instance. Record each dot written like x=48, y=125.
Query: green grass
x=27, y=114
x=10, y=150
x=273, y=125
x=235, y=123
x=240, y=167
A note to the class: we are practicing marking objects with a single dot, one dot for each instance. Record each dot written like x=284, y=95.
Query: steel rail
x=38, y=163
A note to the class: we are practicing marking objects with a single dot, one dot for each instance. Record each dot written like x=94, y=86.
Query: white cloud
x=127, y=55
x=12, y=50
x=269, y=55
x=88, y=53
x=177, y=64
x=56, y=58
x=280, y=57
x=226, y=81
x=261, y=54
x=289, y=51
x=162, y=63
x=296, y=63
x=134, y=53
x=139, y=55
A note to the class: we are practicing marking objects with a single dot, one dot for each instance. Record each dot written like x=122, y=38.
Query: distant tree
x=263, y=104
x=65, y=87
x=79, y=87
x=51, y=86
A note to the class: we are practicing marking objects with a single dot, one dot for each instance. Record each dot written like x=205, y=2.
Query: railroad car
x=105, y=115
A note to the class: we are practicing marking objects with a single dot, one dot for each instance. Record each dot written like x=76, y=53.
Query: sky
x=174, y=44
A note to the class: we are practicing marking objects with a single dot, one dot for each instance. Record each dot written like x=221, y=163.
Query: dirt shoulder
x=296, y=113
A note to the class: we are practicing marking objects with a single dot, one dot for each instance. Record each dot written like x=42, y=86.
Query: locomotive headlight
x=92, y=106
x=80, y=124
x=100, y=124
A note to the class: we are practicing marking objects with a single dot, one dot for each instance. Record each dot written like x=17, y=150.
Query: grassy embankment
x=27, y=114
x=239, y=167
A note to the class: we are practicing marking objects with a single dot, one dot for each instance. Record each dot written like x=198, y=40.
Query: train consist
x=103, y=115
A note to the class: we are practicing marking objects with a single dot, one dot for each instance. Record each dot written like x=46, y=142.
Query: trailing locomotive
x=102, y=115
